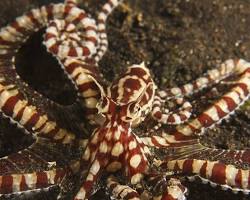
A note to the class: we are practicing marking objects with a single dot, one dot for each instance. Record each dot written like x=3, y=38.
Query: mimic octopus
x=114, y=154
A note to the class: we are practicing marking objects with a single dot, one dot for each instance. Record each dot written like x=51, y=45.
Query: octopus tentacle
x=35, y=167
x=101, y=27
x=29, y=181
x=221, y=109
x=14, y=105
x=121, y=192
x=212, y=77
x=167, y=117
x=226, y=167
x=226, y=105
x=81, y=73
x=174, y=191
x=14, y=36
x=78, y=43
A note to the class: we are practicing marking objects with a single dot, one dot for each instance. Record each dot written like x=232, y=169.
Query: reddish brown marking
x=238, y=179
x=246, y=156
x=158, y=115
x=220, y=112
x=33, y=19
x=7, y=183
x=205, y=120
x=91, y=39
x=203, y=170
x=131, y=195
x=79, y=18
x=54, y=49
x=72, y=52
x=67, y=10
x=70, y=68
x=188, y=166
x=140, y=73
x=183, y=117
x=246, y=71
x=49, y=36
x=85, y=51
x=23, y=185
x=42, y=179
x=41, y=127
x=59, y=175
x=219, y=173
x=86, y=86
x=171, y=119
x=18, y=28
x=9, y=105
x=32, y=121
x=19, y=114
x=230, y=103
x=244, y=87
x=51, y=133
x=179, y=136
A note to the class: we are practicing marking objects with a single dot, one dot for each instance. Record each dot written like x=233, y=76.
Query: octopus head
x=129, y=97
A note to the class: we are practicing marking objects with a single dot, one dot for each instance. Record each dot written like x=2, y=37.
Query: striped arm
x=121, y=192
x=74, y=52
x=162, y=115
x=211, y=77
x=168, y=140
x=15, y=34
x=59, y=19
x=83, y=75
x=39, y=166
x=225, y=106
x=101, y=27
x=221, y=109
x=29, y=181
x=227, y=168
x=15, y=106
x=70, y=33
x=174, y=191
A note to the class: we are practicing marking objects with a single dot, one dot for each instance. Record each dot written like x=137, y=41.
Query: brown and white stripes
x=13, y=183
x=212, y=76
x=101, y=27
x=221, y=109
x=165, y=116
x=71, y=36
x=215, y=172
x=119, y=191
x=78, y=42
x=14, y=106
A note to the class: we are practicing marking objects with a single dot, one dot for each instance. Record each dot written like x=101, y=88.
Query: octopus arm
x=119, y=191
x=210, y=78
x=39, y=166
x=228, y=168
